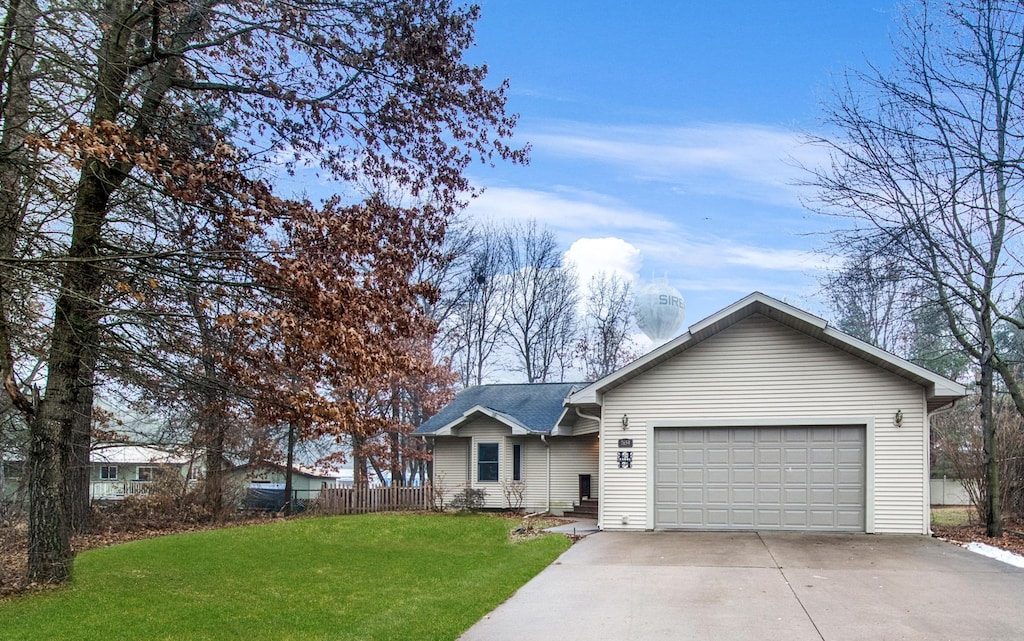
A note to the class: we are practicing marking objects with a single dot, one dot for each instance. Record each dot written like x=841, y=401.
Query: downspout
x=544, y=440
x=590, y=416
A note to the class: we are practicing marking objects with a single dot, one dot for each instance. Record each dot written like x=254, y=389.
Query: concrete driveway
x=750, y=585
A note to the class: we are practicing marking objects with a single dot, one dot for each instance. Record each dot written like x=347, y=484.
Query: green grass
x=952, y=516
x=407, y=577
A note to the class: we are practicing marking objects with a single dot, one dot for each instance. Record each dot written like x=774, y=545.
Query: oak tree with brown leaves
x=197, y=101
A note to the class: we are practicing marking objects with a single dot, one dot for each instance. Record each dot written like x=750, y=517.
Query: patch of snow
x=997, y=554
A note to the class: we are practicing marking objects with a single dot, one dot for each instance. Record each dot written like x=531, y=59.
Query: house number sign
x=625, y=442
x=625, y=460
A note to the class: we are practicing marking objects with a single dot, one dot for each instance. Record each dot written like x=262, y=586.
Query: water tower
x=659, y=311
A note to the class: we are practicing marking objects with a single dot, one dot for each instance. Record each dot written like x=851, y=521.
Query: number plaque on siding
x=625, y=442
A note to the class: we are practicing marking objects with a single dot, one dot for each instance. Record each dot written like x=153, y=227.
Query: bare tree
x=543, y=297
x=608, y=320
x=478, y=322
x=928, y=161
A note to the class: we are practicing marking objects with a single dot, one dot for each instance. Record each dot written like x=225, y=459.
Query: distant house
x=760, y=417
x=266, y=482
x=117, y=471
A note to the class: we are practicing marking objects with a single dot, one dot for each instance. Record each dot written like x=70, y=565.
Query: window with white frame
x=148, y=473
x=487, y=462
x=108, y=473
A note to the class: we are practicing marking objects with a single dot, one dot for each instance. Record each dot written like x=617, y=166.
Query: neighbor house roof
x=940, y=390
x=524, y=408
x=311, y=472
x=123, y=454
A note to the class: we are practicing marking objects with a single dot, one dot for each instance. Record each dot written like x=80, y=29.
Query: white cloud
x=743, y=160
x=564, y=210
x=612, y=255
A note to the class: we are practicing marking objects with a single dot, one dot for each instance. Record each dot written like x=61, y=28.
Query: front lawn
x=356, y=577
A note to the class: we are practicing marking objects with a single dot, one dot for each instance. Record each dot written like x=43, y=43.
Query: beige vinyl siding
x=585, y=426
x=489, y=430
x=570, y=457
x=762, y=371
x=451, y=464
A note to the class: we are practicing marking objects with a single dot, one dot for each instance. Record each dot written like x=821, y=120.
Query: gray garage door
x=771, y=478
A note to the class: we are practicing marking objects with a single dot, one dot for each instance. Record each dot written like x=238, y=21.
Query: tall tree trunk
x=17, y=65
x=212, y=429
x=79, y=442
x=990, y=458
x=289, y=462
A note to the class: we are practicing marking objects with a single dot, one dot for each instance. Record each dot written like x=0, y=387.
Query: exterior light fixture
x=625, y=421
x=898, y=419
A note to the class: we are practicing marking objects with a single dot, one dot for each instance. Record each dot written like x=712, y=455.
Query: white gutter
x=544, y=440
x=590, y=416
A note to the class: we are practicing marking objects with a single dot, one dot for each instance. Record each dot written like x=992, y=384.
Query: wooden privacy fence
x=362, y=499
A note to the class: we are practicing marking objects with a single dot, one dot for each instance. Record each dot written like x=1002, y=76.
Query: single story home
x=118, y=470
x=760, y=417
x=308, y=481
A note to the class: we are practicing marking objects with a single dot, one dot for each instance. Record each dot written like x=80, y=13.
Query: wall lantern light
x=898, y=419
x=625, y=421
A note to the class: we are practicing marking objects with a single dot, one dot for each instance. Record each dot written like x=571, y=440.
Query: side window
x=148, y=473
x=517, y=462
x=108, y=473
x=487, y=462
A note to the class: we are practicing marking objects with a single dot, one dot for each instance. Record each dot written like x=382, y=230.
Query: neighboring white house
x=761, y=416
x=119, y=470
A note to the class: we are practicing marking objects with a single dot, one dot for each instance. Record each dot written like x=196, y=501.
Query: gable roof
x=940, y=390
x=524, y=408
x=302, y=470
x=125, y=454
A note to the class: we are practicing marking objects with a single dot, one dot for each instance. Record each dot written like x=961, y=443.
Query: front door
x=584, y=486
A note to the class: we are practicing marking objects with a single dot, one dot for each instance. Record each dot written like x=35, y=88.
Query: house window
x=108, y=473
x=487, y=462
x=517, y=462
x=148, y=473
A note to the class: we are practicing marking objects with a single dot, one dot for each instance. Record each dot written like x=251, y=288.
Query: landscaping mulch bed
x=1012, y=539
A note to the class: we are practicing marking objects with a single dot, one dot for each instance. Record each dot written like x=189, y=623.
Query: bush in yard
x=514, y=492
x=168, y=499
x=468, y=500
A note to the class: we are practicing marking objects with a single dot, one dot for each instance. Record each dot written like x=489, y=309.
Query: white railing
x=116, y=490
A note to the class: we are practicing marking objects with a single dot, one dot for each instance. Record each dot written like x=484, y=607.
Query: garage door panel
x=823, y=476
x=743, y=476
x=743, y=496
x=717, y=495
x=742, y=518
x=717, y=456
x=794, y=519
x=743, y=456
x=794, y=455
x=716, y=475
x=666, y=456
x=761, y=478
x=850, y=476
x=794, y=476
x=850, y=455
x=823, y=456
x=691, y=495
x=693, y=475
x=717, y=517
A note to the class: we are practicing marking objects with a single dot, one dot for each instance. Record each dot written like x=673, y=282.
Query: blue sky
x=664, y=134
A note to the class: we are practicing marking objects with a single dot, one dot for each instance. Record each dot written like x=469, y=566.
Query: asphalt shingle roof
x=536, y=406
